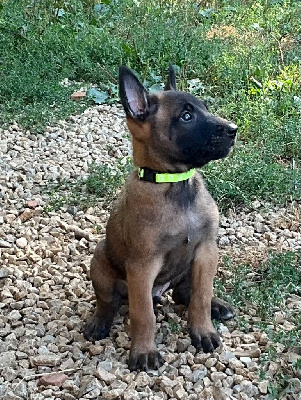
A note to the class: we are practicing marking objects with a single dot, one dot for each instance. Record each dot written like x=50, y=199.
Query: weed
x=279, y=386
x=174, y=326
x=266, y=290
x=270, y=284
x=297, y=364
x=101, y=185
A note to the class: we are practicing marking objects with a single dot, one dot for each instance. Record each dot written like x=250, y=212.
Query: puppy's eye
x=186, y=116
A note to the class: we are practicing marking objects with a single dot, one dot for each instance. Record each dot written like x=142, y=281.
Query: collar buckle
x=149, y=175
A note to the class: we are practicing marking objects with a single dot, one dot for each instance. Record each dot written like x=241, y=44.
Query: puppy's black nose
x=231, y=130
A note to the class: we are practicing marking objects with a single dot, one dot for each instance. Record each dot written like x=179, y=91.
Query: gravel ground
x=46, y=294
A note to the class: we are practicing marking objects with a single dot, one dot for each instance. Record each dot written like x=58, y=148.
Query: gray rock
x=20, y=389
x=179, y=392
x=294, y=385
x=235, y=363
x=118, y=384
x=14, y=315
x=49, y=339
x=106, y=364
x=236, y=389
x=90, y=387
x=4, y=244
x=72, y=210
x=50, y=360
x=223, y=329
x=8, y=359
x=4, y=273
x=218, y=376
x=113, y=394
x=104, y=375
x=248, y=388
x=211, y=362
x=182, y=345
x=199, y=374
x=143, y=379
x=131, y=394
x=8, y=373
x=263, y=387
x=224, y=241
x=225, y=356
x=10, y=395
x=21, y=355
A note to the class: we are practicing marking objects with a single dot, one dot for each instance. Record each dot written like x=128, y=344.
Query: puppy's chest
x=178, y=244
x=182, y=228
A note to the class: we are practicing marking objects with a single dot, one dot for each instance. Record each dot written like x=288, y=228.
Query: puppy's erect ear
x=132, y=94
x=171, y=80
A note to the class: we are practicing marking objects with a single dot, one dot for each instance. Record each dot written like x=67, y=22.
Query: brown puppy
x=162, y=235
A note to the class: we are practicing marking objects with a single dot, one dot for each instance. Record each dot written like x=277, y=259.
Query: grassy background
x=241, y=56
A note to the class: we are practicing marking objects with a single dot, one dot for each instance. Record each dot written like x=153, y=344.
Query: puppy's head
x=173, y=127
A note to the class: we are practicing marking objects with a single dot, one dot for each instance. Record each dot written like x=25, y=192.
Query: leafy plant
x=97, y=96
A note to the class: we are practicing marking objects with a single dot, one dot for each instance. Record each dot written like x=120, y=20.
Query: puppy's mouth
x=217, y=148
x=220, y=145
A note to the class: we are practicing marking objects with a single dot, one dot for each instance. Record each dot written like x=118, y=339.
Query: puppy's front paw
x=97, y=328
x=145, y=361
x=208, y=341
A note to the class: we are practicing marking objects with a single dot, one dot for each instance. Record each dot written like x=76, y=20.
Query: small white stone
x=263, y=387
x=235, y=363
x=224, y=241
x=104, y=375
x=225, y=356
x=14, y=315
x=210, y=362
x=256, y=204
x=5, y=244
x=21, y=242
x=143, y=379
x=246, y=360
x=223, y=329
x=218, y=376
x=248, y=338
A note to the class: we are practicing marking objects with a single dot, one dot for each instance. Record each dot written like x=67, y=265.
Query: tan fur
x=140, y=284
x=133, y=247
x=204, y=270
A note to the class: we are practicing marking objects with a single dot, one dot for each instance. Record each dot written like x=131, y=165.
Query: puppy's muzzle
x=231, y=130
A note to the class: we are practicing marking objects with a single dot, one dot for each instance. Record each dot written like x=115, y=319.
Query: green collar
x=149, y=175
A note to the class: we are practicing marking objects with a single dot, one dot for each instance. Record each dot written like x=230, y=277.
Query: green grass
x=269, y=284
x=266, y=290
x=101, y=184
x=244, y=55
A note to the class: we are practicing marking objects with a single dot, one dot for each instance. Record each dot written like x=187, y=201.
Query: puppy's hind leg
x=220, y=309
x=108, y=298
